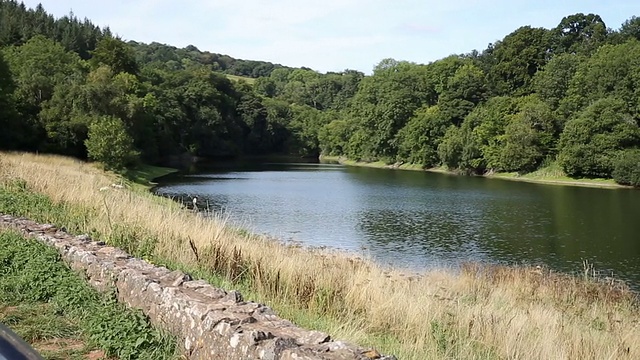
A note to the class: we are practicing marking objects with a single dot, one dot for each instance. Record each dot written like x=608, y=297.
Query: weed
x=49, y=301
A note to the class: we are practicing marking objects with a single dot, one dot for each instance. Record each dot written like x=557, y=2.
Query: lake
x=420, y=220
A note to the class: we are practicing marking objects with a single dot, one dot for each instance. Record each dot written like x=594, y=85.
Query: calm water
x=420, y=220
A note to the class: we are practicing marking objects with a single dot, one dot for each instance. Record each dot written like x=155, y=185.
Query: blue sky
x=332, y=35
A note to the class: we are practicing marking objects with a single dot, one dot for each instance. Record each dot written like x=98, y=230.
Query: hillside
x=565, y=96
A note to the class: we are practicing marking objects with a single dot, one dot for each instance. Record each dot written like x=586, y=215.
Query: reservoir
x=420, y=220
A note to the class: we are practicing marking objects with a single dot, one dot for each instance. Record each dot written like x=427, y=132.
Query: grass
x=61, y=316
x=435, y=315
x=145, y=174
x=248, y=80
x=551, y=174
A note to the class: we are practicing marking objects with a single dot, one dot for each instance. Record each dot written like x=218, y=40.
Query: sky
x=332, y=35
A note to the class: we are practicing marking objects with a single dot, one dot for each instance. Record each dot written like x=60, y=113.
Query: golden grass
x=478, y=313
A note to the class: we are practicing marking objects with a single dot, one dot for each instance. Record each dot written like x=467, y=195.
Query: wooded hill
x=569, y=95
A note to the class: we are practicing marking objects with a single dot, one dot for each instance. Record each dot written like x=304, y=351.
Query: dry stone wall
x=210, y=323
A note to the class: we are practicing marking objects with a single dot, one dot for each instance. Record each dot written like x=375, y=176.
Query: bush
x=110, y=144
x=627, y=168
x=591, y=141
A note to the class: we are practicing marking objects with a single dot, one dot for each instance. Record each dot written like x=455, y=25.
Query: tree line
x=69, y=87
x=567, y=95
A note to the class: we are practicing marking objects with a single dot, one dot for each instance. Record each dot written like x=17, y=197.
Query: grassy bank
x=551, y=174
x=145, y=174
x=61, y=316
x=437, y=315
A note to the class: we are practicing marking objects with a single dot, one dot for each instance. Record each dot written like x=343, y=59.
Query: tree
x=382, y=106
x=265, y=86
x=516, y=59
x=334, y=137
x=529, y=137
x=418, y=141
x=8, y=119
x=460, y=148
x=552, y=83
x=116, y=54
x=613, y=71
x=305, y=125
x=254, y=115
x=592, y=141
x=38, y=66
x=627, y=168
x=450, y=147
x=437, y=76
x=630, y=29
x=484, y=130
x=579, y=34
x=464, y=90
x=278, y=125
x=110, y=144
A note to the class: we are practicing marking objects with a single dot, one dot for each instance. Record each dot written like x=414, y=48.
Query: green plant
x=110, y=144
x=54, y=302
x=626, y=169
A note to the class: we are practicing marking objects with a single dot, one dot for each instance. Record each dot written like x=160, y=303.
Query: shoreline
x=353, y=300
x=590, y=183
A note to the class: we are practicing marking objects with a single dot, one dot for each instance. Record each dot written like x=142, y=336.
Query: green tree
x=437, y=76
x=529, y=136
x=630, y=29
x=552, y=83
x=278, y=130
x=382, y=106
x=464, y=90
x=116, y=54
x=334, y=137
x=305, y=126
x=266, y=86
x=40, y=68
x=516, y=59
x=8, y=119
x=450, y=147
x=613, y=71
x=418, y=141
x=484, y=130
x=592, y=141
x=627, y=168
x=110, y=143
x=579, y=34
x=37, y=67
x=460, y=148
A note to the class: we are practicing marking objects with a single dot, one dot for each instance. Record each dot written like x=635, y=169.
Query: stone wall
x=210, y=323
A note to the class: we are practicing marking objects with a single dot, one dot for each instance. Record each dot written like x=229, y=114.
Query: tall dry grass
x=479, y=313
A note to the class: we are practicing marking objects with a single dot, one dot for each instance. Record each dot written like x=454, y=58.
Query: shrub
x=627, y=168
x=110, y=144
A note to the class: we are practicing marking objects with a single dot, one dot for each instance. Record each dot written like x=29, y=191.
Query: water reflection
x=419, y=220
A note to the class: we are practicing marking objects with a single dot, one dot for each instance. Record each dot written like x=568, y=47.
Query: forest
x=568, y=95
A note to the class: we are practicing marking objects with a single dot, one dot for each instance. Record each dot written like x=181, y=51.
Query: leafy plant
x=626, y=169
x=33, y=275
x=109, y=143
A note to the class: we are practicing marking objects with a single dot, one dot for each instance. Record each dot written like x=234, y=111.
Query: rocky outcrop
x=210, y=323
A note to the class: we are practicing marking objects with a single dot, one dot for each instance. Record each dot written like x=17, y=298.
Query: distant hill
x=175, y=58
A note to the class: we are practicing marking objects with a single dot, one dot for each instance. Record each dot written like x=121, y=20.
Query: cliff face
x=210, y=323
